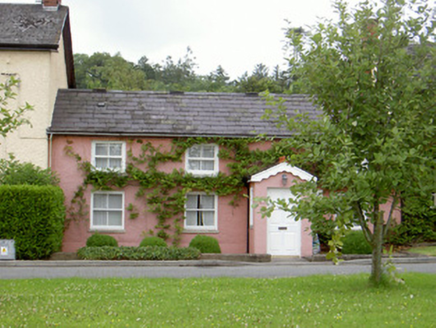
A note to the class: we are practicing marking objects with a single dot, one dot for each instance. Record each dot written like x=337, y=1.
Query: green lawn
x=315, y=301
x=429, y=250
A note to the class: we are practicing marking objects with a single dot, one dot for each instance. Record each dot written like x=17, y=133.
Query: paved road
x=267, y=270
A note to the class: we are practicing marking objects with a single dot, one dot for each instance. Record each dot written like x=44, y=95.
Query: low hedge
x=34, y=217
x=153, y=241
x=148, y=253
x=355, y=243
x=205, y=244
x=98, y=240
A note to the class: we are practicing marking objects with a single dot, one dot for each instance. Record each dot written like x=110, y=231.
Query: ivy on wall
x=165, y=193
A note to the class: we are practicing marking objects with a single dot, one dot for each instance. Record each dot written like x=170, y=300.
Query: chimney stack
x=51, y=5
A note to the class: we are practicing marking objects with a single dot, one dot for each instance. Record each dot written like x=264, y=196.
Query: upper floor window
x=107, y=211
x=202, y=160
x=109, y=155
x=201, y=211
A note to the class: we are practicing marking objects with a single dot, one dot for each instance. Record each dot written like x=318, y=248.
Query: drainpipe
x=50, y=149
x=247, y=186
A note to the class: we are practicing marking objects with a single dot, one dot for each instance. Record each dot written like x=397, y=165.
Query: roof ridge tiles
x=184, y=94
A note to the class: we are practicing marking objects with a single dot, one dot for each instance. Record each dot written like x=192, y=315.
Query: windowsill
x=121, y=172
x=200, y=231
x=107, y=230
x=198, y=174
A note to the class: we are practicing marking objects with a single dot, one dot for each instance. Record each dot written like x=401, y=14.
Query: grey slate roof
x=148, y=113
x=30, y=26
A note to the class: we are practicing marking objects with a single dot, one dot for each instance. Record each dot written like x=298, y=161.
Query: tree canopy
x=372, y=74
x=101, y=70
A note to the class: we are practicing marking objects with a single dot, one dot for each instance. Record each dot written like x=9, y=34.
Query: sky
x=236, y=34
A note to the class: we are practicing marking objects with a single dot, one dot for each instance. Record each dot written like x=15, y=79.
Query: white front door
x=284, y=233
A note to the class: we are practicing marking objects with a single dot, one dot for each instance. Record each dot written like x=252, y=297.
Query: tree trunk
x=377, y=245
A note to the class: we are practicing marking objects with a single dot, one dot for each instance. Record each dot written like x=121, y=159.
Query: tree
x=10, y=120
x=101, y=70
x=218, y=81
x=179, y=75
x=260, y=81
x=148, y=69
x=372, y=75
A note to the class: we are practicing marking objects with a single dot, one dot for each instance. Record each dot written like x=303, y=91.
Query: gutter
x=31, y=47
x=158, y=134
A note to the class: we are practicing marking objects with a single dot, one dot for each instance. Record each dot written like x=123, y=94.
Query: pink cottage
x=120, y=135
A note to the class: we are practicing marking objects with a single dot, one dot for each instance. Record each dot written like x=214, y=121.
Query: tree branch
x=367, y=233
x=391, y=211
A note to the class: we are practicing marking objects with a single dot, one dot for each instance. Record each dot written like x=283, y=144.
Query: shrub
x=148, y=253
x=205, y=244
x=34, y=217
x=414, y=229
x=324, y=229
x=153, y=241
x=418, y=222
x=97, y=240
x=13, y=172
x=355, y=243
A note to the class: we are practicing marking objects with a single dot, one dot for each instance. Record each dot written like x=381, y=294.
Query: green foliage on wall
x=165, y=193
x=11, y=119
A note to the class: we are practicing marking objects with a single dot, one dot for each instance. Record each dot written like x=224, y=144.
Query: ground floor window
x=201, y=211
x=107, y=211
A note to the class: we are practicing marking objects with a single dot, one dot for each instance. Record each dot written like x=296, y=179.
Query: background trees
x=101, y=70
x=372, y=74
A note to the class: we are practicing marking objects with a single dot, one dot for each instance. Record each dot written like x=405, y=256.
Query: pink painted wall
x=232, y=220
x=386, y=207
x=396, y=215
x=258, y=233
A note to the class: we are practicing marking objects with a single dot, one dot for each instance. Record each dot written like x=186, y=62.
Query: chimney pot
x=51, y=4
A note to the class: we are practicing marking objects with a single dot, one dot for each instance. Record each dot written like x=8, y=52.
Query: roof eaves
x=68, y=50
x=161, y=135
x=30, y=47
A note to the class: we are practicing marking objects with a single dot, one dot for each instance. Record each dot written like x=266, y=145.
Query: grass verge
x=429, y=250
x=315, y=301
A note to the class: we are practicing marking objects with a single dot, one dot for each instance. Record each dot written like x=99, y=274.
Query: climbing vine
x=165, y=193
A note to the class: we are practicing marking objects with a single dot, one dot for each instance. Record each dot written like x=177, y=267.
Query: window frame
x=122, y=157
x=197, y=227
x=200, y=173
x=94, y=227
